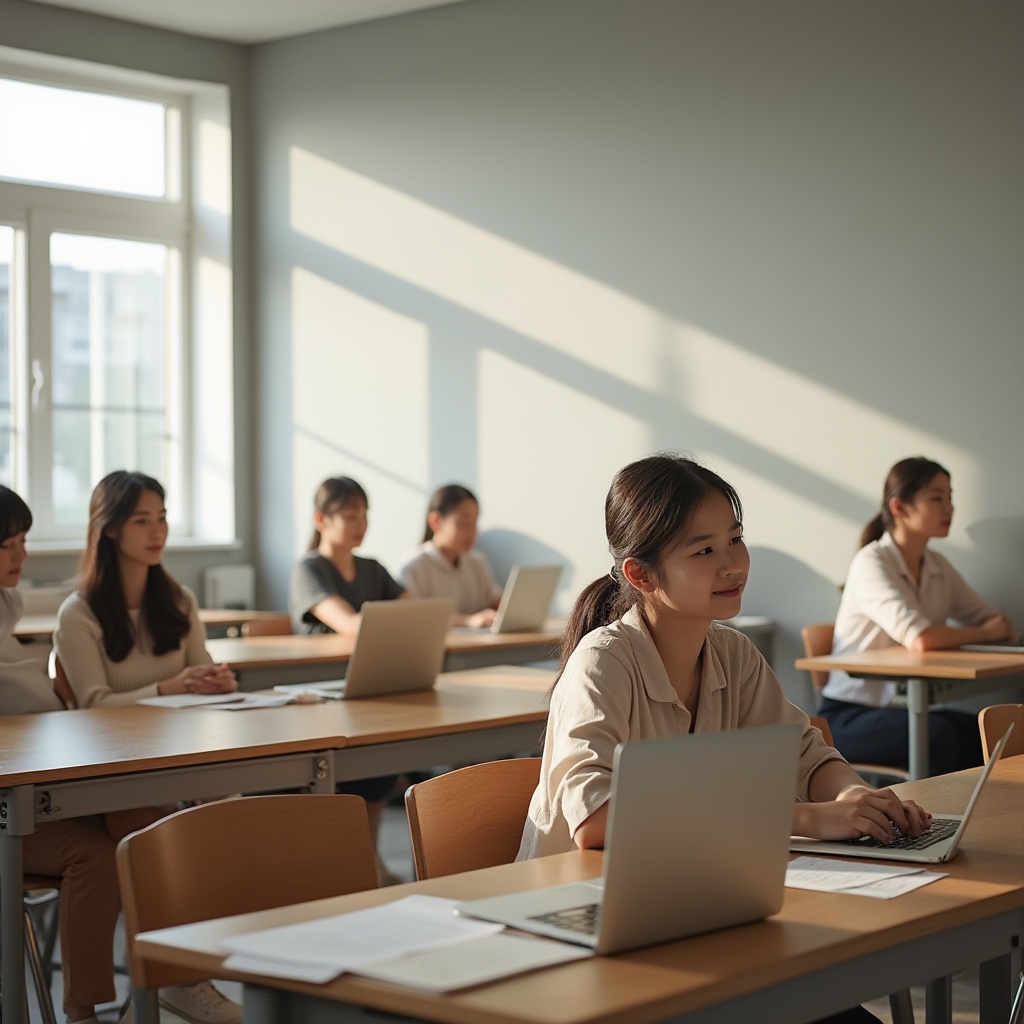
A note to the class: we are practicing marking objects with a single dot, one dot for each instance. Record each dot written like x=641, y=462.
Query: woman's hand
x=201, y=679
x=859, y=811
x=481, y=619
x=998, y=627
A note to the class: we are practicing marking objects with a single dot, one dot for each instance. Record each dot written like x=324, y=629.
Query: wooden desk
x=41, y=627
x=930, y=678
x=261, y=662
x=822, y=953
x=71, y=764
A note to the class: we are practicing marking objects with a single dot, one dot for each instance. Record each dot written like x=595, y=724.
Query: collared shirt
x=469, y=582
x=615, y=689
x=882, y=606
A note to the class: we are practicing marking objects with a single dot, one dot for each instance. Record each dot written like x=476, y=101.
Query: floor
x=394, y=844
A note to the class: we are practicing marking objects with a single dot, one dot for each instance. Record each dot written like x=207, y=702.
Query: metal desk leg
x=18, y=819
x=917, y=725
x=994, y=990
x=939, y=1001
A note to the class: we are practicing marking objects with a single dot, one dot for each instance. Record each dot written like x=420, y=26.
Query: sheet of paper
x=314, y=974
x=473, y=963
x=252, y=700
x=824, y=874
x=347, y=941
x=191, y=700
x=887, y=888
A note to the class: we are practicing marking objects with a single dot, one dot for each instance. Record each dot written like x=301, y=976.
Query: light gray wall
x=70, y=34
x=520, y=244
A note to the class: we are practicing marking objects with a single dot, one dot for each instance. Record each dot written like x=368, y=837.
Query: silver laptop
x=399, y=647
x=526, y=599
x=696, y=840
x=939, y=844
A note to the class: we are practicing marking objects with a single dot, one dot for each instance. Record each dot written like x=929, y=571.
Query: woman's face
x=456, y=531
x=12, y=560
x=344, y=526
x=930, y=514
x=142, y=537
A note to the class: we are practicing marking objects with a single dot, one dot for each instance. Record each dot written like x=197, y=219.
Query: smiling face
x=12, y=560
x=142, y=537
x=930, y=514
x=703, y=576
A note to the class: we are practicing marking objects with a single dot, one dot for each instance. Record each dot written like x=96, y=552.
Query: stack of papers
x=416, y=941
x=823, y=874
x=218, y=701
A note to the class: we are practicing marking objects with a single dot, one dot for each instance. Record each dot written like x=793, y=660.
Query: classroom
x=519, y=243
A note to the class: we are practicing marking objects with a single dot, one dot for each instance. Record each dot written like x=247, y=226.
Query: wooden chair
x=233, y=857
x=817, y=638
x=62, y=687
x=470, y=818
x=279, y=625
x=994, y=721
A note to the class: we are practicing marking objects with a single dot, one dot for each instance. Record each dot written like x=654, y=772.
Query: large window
x=98, y=258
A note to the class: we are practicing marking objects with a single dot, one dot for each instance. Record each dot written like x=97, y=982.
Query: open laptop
x=526, y=599
x=696, y=840
x=399, y=647
x=939, y=844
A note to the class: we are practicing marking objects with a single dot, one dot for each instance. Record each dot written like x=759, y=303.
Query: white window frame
x=36, y=211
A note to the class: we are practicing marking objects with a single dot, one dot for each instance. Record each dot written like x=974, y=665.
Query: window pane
x=82, y=139
x=6, y=378
x=108, y=359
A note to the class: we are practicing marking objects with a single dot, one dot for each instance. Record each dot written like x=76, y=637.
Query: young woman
x=447, y=564
x=78, y=851
x=130, y=631
x=329, y=587
x=331, y=583
x=643, y=657
x=898, y=593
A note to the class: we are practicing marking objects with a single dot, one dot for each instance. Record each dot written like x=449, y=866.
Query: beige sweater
x=95, y=679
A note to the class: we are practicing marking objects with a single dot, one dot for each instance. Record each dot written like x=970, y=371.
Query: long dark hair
x=334, y=493
x=164, y=606
x=446, y=500
x=649, y=507
x=905, y=480
x=15, y=515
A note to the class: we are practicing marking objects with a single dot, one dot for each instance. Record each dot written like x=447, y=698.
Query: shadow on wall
x=506, y=548
x=788, y=591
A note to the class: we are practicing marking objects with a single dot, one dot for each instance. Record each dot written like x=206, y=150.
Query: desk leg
x=917, y=726
x=939, y=1000
x=19, y=815
x=994, y=991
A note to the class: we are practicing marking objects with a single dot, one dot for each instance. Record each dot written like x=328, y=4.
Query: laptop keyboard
x=941, y=828
x=574, y=919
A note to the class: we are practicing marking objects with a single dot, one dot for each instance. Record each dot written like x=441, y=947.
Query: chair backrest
x=62, y=687
x=817, y=639
x=824, y=727
x=994, y=721
x=236, y=856
x=470, y=818
x=279, y=625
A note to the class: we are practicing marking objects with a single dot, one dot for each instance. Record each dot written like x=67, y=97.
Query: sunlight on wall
x=214, y=181
x=359, y=375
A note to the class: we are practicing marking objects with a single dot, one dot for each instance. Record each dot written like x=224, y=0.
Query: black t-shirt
x=316, y=578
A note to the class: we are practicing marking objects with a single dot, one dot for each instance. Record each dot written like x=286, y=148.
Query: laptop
x=939, y=844
x=697, y=840
x=526, y=599
x=399, y=647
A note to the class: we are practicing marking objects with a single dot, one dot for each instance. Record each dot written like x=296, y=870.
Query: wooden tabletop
x=899, y=662
x=95, y=742
x=42, y=626
x=814, y=931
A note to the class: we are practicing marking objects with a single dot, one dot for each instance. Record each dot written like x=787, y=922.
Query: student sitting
x=900, y=594
x=447, y=564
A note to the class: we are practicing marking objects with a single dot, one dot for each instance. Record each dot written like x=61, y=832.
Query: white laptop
x=399, y=647
x=939, y=844
x=526, y=599
x=993, y=648
x=697, y=839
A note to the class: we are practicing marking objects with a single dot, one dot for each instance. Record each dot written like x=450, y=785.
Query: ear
x=433, y=520
x=639, y=577
x=319, y=521
x=897, y=509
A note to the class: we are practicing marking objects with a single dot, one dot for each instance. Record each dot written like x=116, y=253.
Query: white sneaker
x=200, y=1004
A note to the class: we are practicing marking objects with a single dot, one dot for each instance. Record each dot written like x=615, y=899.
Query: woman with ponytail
x=643, y=656
x=898, y=593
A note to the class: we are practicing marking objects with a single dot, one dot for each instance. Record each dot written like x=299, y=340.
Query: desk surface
x=42, y=626
x=678, y=977
x=898, y=661
x=97, y=742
